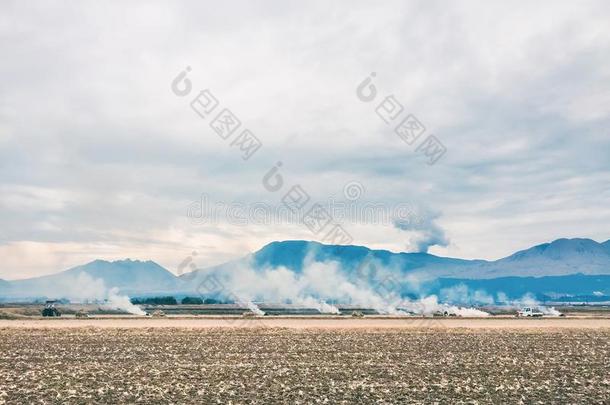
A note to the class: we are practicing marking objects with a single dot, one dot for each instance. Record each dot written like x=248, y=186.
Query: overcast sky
x=100, y=159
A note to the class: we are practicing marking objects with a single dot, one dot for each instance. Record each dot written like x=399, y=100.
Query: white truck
x=529, y=311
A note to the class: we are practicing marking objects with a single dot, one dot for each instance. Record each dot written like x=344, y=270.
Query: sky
x=103, y=157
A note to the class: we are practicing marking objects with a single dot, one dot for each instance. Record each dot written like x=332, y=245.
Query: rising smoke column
x=122, y=302
x=429, y=306
x=83, y=287
x=319, y=282
x=423, y=230
x=528, y=300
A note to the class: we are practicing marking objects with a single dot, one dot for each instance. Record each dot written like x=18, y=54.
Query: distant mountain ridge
x=4, y=285
x=291, y=254
x=559, y=248
x=575, y=287
x=523, y=270
x=129, y=276
x=560, y=257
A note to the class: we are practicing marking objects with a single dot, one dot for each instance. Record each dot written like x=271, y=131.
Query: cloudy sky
x=100, y=159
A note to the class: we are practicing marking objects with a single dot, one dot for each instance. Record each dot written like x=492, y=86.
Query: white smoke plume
x=320, y=282
x=84, y=288
x=528, y=300
x=313, y=287
x=320, y=305
x=254, y=308
x=423, y=230
x=463, y=295
x=430, y=306
x=122, y=302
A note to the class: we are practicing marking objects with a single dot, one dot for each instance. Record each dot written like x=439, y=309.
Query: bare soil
x=298, y=322
x=249, y=364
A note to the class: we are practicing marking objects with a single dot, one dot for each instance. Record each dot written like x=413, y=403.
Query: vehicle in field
x=529, y=312
x=50, y=310
x=249, y=314
x=157, y=313
x=445, y=312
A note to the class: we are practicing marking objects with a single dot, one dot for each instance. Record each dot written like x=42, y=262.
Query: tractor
x=50, y=310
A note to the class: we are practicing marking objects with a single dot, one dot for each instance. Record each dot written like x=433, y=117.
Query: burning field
x=272, y=365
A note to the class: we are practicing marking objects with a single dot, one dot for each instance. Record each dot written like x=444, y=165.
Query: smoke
x=376, y=286
x=502, y=298
x=318, y=282
x=424, y=231
x=461, y=294
x=313, y=286
x=254, y=308
x=84, y=288
x=528, y=300
x=320, y=305
x=551, y=311
x=79, y=288
x=430, y=306
x=122, y=302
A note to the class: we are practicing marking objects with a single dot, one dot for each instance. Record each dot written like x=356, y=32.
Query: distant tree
x=169, y=300
x=192, y=301
x=165, y=301
x=210, y=301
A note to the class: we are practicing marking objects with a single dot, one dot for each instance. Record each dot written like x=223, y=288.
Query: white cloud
x=96, y=150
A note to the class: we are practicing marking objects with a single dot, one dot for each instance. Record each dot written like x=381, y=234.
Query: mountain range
x=569, y=269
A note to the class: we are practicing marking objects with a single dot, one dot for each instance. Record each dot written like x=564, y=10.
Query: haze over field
x=314, y=275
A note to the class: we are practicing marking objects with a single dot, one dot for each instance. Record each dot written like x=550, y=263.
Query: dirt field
x=75, y=363
x=326, y=322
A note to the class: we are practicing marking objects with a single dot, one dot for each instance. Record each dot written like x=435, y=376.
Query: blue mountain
x=96, y=278
x=292, y=254
x=560, y=257
x=575, y=287
x=559, y=268
x=564, y=267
